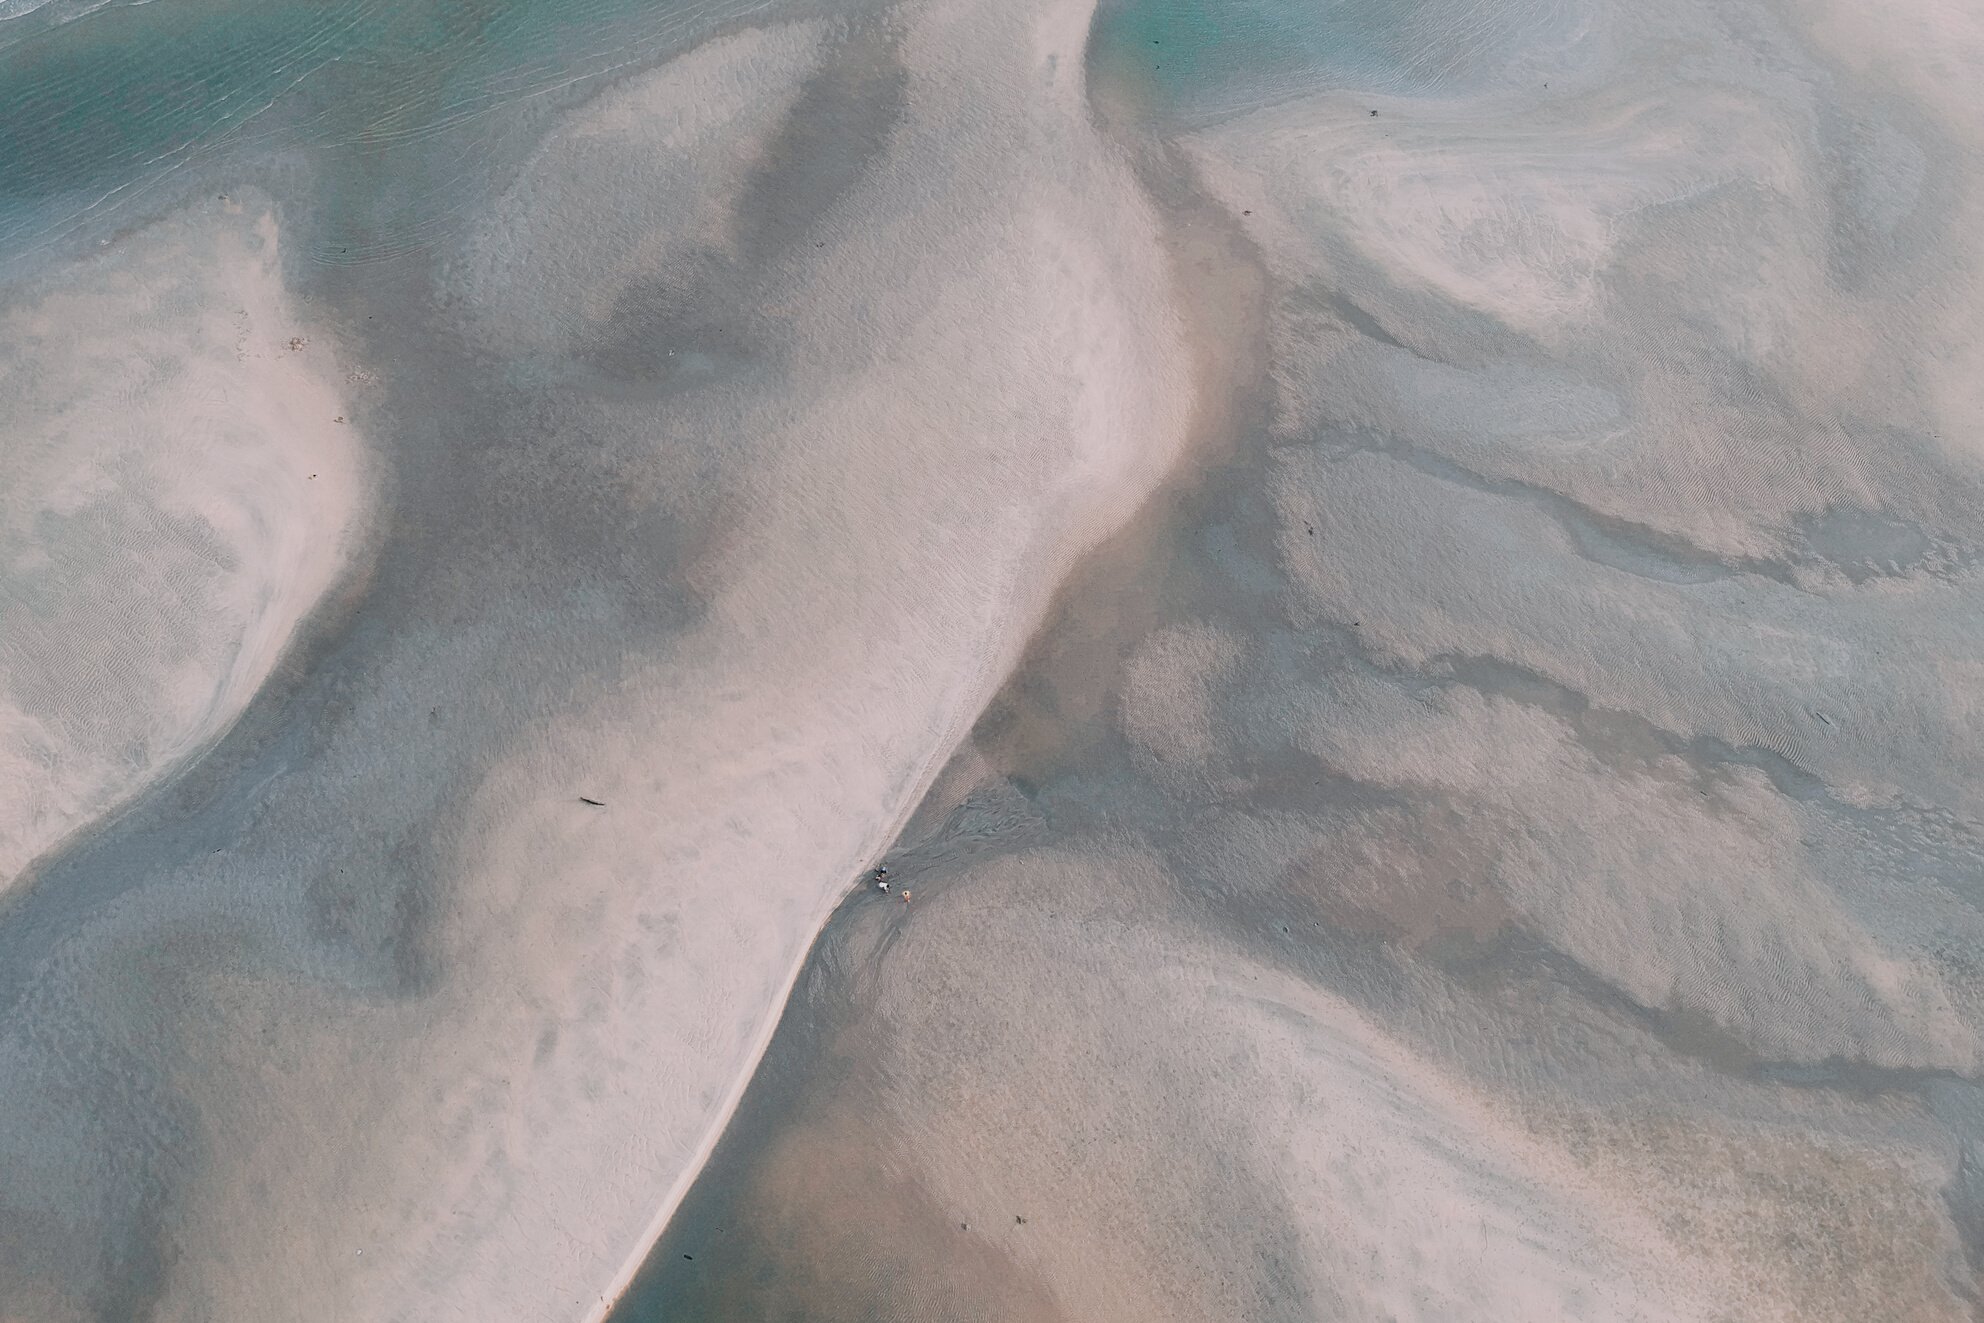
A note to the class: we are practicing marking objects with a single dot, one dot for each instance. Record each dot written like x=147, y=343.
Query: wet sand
x=1407, y=613
x=1468, y=851
x=179, y=495
x=685, y=587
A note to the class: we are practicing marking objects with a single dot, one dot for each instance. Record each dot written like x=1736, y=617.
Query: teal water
x=398, y=115
x=1208, y=58
x=397, y=112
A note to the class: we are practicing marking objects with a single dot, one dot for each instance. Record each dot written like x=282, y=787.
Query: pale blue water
x=399, y=114
x=1209, y=58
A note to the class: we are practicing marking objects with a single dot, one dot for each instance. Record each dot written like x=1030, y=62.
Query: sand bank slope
x=1525, y=861
x=775, y=493
x=961, y=376
x=178, y=487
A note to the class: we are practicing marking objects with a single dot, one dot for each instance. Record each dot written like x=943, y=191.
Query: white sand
x=1542, y=879
x=175, y=495
x=1166, y=1114
x=1537, y=874
x=979, y=375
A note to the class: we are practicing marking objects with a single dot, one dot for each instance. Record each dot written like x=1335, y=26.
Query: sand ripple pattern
x=1401, y=583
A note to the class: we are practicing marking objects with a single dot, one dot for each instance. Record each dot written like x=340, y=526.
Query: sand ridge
x=185, y=478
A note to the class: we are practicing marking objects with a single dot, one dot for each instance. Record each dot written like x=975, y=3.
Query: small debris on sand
x=596, y=803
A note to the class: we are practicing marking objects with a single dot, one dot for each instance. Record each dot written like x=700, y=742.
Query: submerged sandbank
x=703, y=553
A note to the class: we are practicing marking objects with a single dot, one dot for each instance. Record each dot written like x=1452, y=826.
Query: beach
x=1396, y=591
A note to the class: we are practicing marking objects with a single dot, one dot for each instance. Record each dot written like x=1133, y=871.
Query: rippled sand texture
x=180, y=487
x=1439, y=652
x=1504, y=842
x=765, y=409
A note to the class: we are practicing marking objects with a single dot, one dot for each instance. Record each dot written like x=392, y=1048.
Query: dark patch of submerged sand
x=1801, y=1188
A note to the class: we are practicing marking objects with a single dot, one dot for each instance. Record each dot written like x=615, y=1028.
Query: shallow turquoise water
x=1199, y=48
x=401, y=112
x=1206, y=58
x=399, y=108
